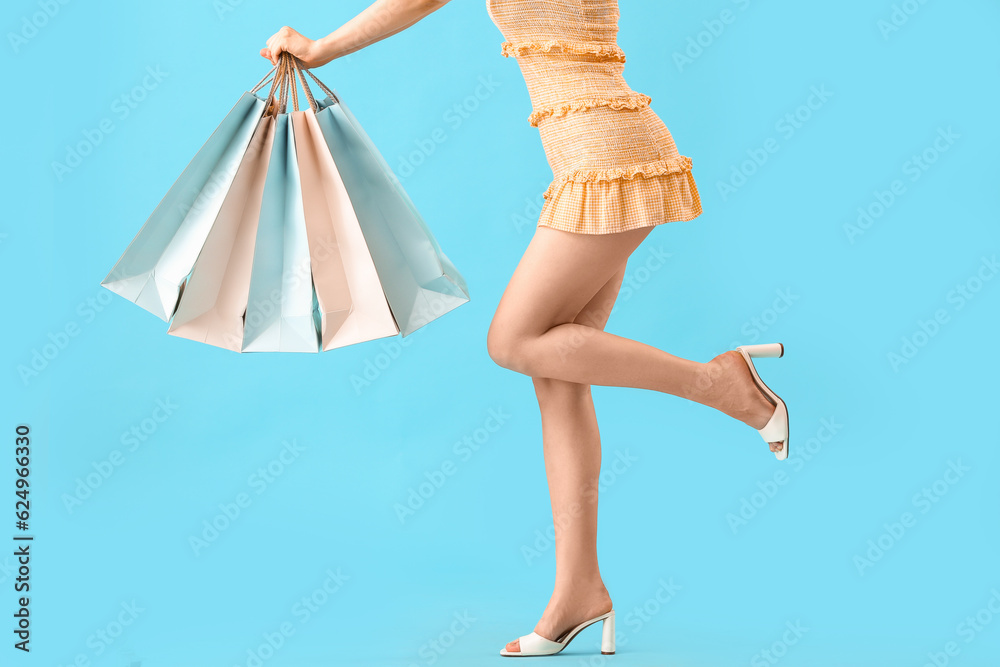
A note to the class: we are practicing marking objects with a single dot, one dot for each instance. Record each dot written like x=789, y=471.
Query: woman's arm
x=382, y=19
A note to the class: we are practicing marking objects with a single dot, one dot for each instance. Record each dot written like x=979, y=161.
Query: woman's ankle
x=588, y=589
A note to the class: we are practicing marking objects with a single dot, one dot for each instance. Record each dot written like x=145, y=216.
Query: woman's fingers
x=274, y=47
x=287, y=40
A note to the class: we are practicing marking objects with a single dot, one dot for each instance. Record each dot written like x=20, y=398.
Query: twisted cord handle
x=282, y=104
x=262, y=82
x=284, y=78
x=298, y=69
x=322, y=85
x=270, y=102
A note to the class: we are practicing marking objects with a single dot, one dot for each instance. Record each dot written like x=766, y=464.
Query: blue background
x=771, y=260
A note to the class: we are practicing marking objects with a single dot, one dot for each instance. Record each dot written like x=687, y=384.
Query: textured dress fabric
x=614, y=162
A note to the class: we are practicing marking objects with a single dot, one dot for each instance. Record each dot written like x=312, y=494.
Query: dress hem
x=622, y=204
x=617, y=230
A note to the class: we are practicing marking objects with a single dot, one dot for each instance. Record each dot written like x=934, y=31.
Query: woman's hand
x=286, y=39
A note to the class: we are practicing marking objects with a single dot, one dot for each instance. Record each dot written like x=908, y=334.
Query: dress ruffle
x=607, y=51
x=681, y=163
x=597, y=201
x=634, y=102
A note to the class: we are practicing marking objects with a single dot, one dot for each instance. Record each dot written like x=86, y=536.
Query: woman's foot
x=727, y=385
x=567, y=610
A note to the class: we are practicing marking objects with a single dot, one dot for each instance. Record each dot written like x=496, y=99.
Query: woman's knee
x=505, y=346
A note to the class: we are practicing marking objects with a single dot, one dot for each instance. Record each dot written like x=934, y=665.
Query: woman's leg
x=534, y=331
x=550, y=325
x=572, y=445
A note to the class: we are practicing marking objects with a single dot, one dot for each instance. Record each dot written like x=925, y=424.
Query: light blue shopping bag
x=420, y=282
x=155, y=265
x=280, y=314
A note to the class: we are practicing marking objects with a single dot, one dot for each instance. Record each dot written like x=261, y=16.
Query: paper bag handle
x=284, y=79
x=277, y=81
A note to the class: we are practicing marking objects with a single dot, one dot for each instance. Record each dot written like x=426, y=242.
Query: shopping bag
x=278, y=246
x=308, y=218
x=153, y=267
x=351, y=302
x=281, y=300
x=420, y=282
x=215, y=295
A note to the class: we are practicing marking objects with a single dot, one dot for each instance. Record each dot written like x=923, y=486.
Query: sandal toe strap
x=535, y=643
x=776, y=428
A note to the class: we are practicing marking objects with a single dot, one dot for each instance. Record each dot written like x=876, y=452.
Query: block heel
x=776, y=428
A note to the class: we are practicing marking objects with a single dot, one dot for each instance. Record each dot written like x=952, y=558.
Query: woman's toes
x=514, y=646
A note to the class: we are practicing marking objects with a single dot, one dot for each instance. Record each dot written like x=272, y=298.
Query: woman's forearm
x=380, y=20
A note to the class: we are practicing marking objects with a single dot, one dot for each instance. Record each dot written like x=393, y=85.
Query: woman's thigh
x=564, y=277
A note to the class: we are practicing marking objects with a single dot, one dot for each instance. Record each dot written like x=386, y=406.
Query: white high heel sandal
x=535, y=644
x=776, y=428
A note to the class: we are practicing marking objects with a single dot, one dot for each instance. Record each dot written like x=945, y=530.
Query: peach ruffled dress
x=614, y=162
